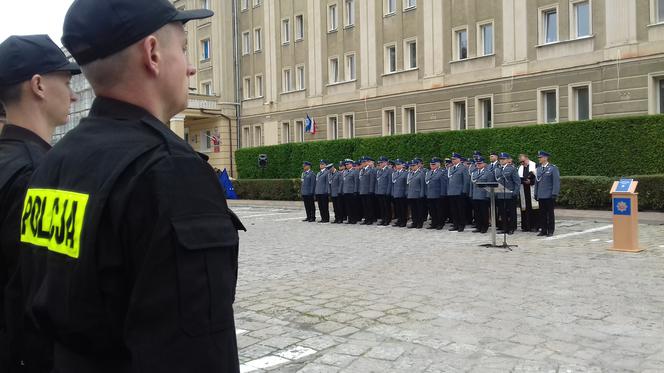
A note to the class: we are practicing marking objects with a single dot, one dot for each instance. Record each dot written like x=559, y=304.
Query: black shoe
x=510, y=233
x=477, y=231
x=541, y=234
x=412, y=226
x=550, y=234
x=396, y=224
x=351, y=222
x=431, y=227
x=440, y=227
x=462, y=228
x=484, y=231
x=453, y=229
x=306, y=220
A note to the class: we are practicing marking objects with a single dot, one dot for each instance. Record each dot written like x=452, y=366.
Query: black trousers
x=530, y=219
x=416, y=211
x=436, y=212
x=547, y=215
x=507, y=212
x=309, y=207
x=401, y=210
x=470, y=218
x=385, y=208
x=351, y=208
x=445, y=209
x=324, y=207
x=338, y=206
x=481, y=209
x=368, y=207
x=458, y=208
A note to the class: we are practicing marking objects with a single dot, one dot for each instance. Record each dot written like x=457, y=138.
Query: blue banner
x=227, y=184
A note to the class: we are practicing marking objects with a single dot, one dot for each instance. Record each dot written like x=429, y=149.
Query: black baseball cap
x=95, y=29
x=22, y=57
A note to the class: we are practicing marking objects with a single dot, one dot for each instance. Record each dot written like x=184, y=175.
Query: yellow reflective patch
x=53, y=219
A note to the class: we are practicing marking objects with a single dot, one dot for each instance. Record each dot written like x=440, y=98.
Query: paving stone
x=335, y=359
x=385, y=352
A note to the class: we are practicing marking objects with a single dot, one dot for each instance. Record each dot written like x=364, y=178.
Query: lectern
x=493, y=187
x=625, y=202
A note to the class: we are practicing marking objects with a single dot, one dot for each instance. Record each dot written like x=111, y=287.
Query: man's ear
x=37, y=86
x=150, y=55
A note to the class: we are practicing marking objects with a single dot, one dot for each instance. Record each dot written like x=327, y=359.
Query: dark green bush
x=601, y=147
x=577, y=192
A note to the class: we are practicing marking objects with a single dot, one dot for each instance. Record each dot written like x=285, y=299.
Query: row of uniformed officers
x=448, y=191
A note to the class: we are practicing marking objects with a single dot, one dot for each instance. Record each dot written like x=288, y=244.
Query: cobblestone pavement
x=340, y=298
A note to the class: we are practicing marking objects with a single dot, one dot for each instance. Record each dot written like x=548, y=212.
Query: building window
x=285, y=133
x=333, y=73
x=580, y=103
x=258, y=81
x=659, y=11
x=332, y=128
x=459, y=115
x=548, y=105
x=246, y=43
x=332, y=20
x=484, y=112
x=390, y=7
x=205, y=4
x=205, y=49
x=349, y=125
x=286, y=80
x=206, y=141
x=206, y=88
x=300, y=77
x=285, y=31
x=246, y=88
x=390, y=58
x=245, y=4
x=485, y=42
x=549, y=28
x=409, y=4
x=350, y=67
x=299, y=131
x=350, y=12
x=389, y=122
x=461, y=44
x=409, y=120
x=258, y=136
x=246, y=137
x=258, y=39
x=582, y=19
x=258, y=3
x=299, y=27
x=410, y=54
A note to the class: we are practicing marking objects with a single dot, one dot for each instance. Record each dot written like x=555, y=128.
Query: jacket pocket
x=207, y=262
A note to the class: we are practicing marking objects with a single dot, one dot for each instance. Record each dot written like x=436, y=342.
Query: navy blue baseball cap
x=542, y=153
x=306, y=163
x=434, y=160
x=456, y=155
x=416, y=161
x=322, y=161
x=391, y=163
x=448, y=161
x=95, y=29
x=383, y=159
x=504, y=156
x=479, y=159
x=477, y=153
x=398, y=161
x=22, y=57
x=494, y=153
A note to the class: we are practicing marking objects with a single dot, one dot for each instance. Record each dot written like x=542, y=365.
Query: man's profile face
x=175, y=68
x=58, y=96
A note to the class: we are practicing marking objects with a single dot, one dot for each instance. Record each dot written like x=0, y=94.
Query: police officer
x=136, y=269
x=336, y=193
x=493, y=162
x=507, y=176
x=547, y=188
x=416, y=193
x=457, y=191
x=34, y=89
x=308, y=191
x=367, y=190
x=434, y=185
x=480, y=196
x=399, y=190
x=445, y=201
x=323, y=191
x=384, y=190
x=350, y=187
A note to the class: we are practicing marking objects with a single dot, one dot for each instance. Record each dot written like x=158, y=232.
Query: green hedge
x=577, y=192
x=601, y=147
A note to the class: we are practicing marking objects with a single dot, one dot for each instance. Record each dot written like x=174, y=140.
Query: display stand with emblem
x=493, y=187
x=625, y=202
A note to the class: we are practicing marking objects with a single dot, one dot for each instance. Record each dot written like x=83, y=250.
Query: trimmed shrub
x=576, y=192
x=601, y=147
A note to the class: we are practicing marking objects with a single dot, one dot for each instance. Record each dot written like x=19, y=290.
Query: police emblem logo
x=53, y=219
x=622, y=207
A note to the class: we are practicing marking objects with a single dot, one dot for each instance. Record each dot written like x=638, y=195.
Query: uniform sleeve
x=356, y=176
x=181, y=245
x=556, y=182
x=372, y=181
x=423, y=190
x=517, y=183
x=466, y=183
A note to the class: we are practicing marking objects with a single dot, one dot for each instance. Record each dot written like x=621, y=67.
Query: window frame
x=386, y=58
x=573, y=104
x=332, y=135
x=286, y=83
x=455, y=124
x=207, y=82
x=543, y=24
x=257, y=78
x=258, y=129
x=386, y=5
x=285, y=31
x=203, y=43
x=246, y=83
x=456, y=45
x=299, y=130
x=258, y=3
x=479, y=111
x=332, y=22
x=286, y=136
x=405, y=125
x=406, y=54
x=347, y=69
x=258, y=47
x=348, y=22
x=348, y=134
x=244, y=5
x=542, y=106
x=386, y=125
x=480, y=38
x=329, y=69
x=246, y=42
x=300, y=81
x=247, y=137
x=573, y=22
x=299, y=37
x=407, y=7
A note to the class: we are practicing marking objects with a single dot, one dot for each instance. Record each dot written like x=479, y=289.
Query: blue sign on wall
x=622, y=206
x=624, y=185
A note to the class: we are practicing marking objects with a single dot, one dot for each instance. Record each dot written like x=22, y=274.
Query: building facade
x=386, y=67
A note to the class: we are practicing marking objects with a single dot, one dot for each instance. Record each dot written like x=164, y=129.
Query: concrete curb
x=651, y=218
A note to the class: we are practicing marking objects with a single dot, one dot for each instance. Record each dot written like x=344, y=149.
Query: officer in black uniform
x=129, y=248
x=34, y=89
